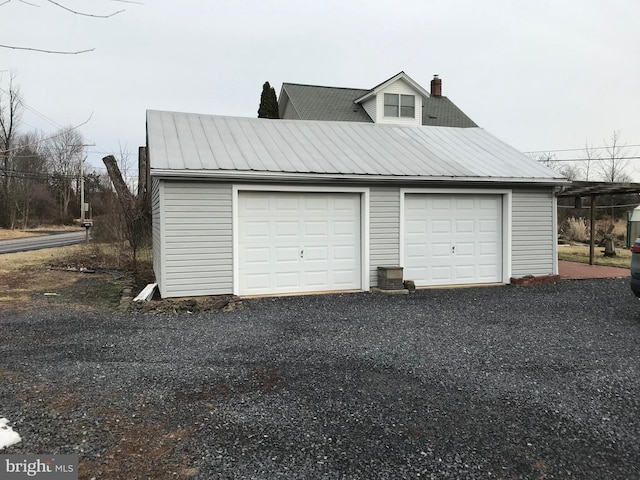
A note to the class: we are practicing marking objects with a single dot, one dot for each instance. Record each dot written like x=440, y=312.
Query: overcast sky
x=540, y=75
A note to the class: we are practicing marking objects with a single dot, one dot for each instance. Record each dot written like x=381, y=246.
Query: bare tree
x=127, y=165
x=11, y=107
x=30, y=181
x=590, y=155
x=133, y=206
x=61, y=5
x=614, y=162
x=65, y=152
x=548, y=159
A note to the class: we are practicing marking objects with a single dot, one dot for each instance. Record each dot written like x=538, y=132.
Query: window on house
x=396, y=105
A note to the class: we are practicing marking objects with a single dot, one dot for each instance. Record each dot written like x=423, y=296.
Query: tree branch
x=63, y=132
x=13, y=47
x=84, y=14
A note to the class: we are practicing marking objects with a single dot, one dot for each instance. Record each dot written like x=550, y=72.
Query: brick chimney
x=436, y=86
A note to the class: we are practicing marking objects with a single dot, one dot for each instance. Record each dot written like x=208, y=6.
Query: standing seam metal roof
x=206, y=144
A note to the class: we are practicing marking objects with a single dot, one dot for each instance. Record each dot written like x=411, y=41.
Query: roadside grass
x=6, y=234
x=580, y=253
x=25, y=277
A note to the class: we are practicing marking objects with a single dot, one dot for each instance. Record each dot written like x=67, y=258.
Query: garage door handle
x=453, y=249
x=301, y=253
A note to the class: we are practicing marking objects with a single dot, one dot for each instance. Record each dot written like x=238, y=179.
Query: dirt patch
x=34, y=279
x=89, y=278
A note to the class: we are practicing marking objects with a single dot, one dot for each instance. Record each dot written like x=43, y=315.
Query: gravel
x=535, y=382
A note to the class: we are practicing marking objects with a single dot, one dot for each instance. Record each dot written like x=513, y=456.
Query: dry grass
x=580, y=253
x=6, y=234
x=25, y=277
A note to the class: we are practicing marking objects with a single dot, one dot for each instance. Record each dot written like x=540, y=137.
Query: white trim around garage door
x=364, y=222
x=506, y=219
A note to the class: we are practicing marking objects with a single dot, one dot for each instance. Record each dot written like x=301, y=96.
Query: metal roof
x=184, y=144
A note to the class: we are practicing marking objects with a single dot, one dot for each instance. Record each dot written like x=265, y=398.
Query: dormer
x=397, y=100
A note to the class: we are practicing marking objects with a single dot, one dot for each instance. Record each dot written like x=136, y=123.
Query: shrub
x=576, y=229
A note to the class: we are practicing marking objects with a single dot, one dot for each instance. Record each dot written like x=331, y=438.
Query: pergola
x=580, y=190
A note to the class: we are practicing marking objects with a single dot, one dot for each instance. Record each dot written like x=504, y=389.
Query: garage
x=246, y=206
x=295, y=242
x=452, y=239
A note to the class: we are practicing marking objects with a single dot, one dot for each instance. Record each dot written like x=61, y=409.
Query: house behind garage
x=351, y=180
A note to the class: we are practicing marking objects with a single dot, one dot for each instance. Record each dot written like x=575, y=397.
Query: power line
x=581, y=149
x=552, y=160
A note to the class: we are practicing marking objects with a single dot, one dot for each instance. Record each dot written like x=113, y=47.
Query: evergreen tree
x=268, y=102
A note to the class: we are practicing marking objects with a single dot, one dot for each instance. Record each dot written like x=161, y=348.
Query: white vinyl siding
x=533, y=236
x=197, y=236
x=156, y=229
x=369, y=106
x=384, y=230
x=400, y=88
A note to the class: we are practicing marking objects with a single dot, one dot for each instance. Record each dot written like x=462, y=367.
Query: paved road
x=45, y=241
x=537, y=382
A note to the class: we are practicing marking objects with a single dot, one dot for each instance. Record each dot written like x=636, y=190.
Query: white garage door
x=453, y=239
x=298, y=242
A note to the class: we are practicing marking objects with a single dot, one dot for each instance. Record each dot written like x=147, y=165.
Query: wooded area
x=40, y=174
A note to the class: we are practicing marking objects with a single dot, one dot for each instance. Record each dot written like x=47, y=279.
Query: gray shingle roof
x=325, y=103
x=183, y=144
x=442, y=112
x=313, y=102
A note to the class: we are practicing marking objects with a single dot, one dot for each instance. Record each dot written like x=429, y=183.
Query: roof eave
x=260, y=176
x=415, y=85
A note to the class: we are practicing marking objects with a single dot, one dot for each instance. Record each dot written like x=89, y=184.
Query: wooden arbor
x=592, y=190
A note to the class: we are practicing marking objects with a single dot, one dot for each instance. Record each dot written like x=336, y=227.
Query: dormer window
x=397, y=105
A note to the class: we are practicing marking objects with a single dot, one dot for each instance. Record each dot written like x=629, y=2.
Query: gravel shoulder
x=535, y=382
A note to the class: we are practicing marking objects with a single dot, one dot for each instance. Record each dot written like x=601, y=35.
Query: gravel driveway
x=499, y=382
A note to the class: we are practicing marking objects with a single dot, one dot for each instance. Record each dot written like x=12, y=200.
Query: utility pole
x=82, y=209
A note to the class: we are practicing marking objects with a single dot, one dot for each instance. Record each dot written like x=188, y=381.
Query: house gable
x=396, y=92
x=314, y=102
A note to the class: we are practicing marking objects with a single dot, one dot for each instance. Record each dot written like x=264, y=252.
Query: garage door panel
x=440, y=250
x=488, y=226
x=462, y=241
x=285, y=254
x=286, y=280
x=465, y=249
x=488, y=248
x=316, y=279
x=416, y=227
x=345, y=227
x=441, y=273
x=257, y=281
x=441, y=226
x=315, y=254
x=257, y=256
x=253, y=229
x=465, y=226
x=345, y=278
x=316, y=229
x=301, y=242
x=440, y=203
x=345, y=253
